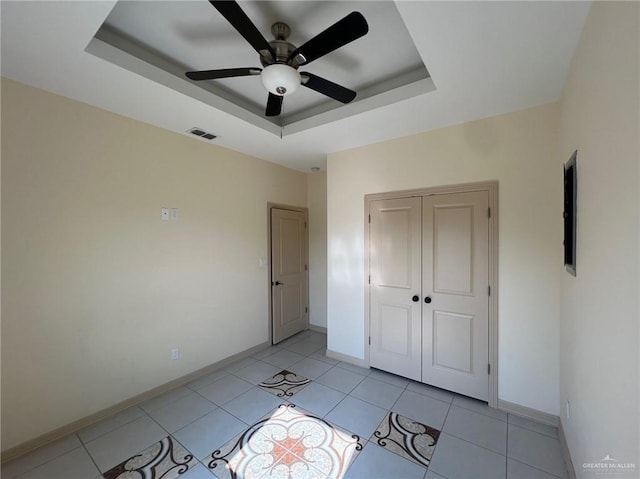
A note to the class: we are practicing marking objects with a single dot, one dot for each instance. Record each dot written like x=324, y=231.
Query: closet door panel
x=395, y=268
x=455, y=320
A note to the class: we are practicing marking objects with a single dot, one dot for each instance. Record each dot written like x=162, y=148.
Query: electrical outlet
x=175, y=354
x=174, y=213
x=568, y=415
x=164, y=214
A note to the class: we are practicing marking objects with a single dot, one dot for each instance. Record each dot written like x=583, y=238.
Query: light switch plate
x=164, y=213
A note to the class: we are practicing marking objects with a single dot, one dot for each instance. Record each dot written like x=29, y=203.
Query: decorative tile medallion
x=166, y=459
x=284, y=384
x=407, y=438
x=289, y=444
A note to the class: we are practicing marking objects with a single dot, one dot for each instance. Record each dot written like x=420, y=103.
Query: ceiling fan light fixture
x=280, y=79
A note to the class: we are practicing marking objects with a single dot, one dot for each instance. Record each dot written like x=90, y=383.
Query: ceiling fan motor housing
x=282, y=48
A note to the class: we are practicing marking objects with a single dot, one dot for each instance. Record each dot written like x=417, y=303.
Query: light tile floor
x=345, y=421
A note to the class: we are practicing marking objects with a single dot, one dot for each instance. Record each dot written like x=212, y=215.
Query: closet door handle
x=415, y=298
x=427, y=299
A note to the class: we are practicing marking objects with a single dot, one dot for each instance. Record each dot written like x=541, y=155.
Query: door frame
x=280, y=206
x=492, y=188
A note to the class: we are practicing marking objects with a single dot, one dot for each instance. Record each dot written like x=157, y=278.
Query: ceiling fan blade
x=344, y=31
x=240, y=21
x=274, y=105
x=222, y=73
x=328, y=88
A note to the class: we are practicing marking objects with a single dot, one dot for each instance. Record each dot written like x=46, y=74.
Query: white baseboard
x=544, y=418
x=528, y=413
x=80, y=424
x=566, y=454
x=319, y=329
x=347, y=359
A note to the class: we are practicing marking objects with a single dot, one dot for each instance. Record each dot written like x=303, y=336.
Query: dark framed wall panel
x=569, y=214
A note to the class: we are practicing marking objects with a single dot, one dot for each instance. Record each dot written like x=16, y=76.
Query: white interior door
x=455, y=328
x=288, y=273
x=395, y=268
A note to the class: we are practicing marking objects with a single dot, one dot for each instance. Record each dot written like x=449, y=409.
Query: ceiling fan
x=282, y=59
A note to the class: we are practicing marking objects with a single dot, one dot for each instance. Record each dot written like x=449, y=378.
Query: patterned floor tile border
x=166, y=459
x=284, y=384
x=289, y=444
x=407, y=438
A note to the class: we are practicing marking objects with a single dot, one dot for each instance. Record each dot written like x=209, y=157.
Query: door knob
x=415, y=298
x=427, y=299
x=278, y=283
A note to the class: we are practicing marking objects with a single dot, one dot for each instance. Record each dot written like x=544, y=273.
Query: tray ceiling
x=177, y=36
x=486, y=58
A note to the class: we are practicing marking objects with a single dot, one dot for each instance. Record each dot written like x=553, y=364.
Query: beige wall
x=599, y=342
x=520, y=151
x=96, y=288
x=317, y=202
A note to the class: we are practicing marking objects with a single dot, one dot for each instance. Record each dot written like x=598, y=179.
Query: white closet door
x=455, y=301
x=395, y=268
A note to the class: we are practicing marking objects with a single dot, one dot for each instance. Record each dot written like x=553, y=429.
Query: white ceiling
x=485, y=58
x=179, y=36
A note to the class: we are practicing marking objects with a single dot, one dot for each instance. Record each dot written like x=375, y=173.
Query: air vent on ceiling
x=201, y=133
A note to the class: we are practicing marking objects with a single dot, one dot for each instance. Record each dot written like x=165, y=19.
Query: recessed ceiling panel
x=162, y=40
